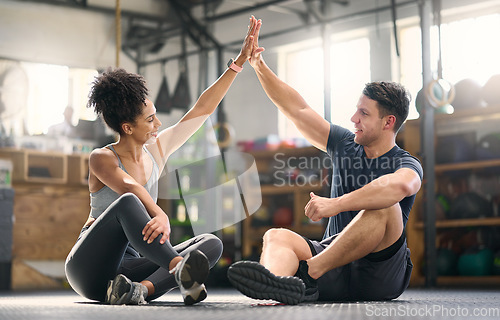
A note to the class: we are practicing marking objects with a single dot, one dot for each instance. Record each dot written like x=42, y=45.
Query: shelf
x=480, y=121
x=467, y=115
x=472, y=114
x=296, y=191
x=289, y=152
x=313, y=229
x=78, y=169
x=186, y=223
x=463, y=223
x=481, y=164
x=37, y=166
x=270, y=189
x=469, y=281
x=306, y=228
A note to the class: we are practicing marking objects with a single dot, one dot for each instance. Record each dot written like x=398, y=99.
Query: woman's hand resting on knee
x=159, y=224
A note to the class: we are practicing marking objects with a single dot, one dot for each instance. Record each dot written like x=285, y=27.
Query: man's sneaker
x=123, y=291
x=190, y=274
x=254, y=280
x=312, y=293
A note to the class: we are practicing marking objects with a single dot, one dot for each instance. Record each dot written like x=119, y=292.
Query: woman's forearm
x=213, y=95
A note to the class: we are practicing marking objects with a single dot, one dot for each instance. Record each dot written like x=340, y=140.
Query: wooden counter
x=51, y=204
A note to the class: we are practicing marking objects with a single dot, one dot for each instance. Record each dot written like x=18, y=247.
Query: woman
x=123, y=191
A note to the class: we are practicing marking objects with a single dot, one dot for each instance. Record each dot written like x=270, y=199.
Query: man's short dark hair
x=392, y=99
x=118, y=96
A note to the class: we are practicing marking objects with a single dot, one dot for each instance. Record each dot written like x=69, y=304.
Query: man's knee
x=283, y=238
x=276, y=236
x=287, y=239
x=384, y=215
x=388, y=220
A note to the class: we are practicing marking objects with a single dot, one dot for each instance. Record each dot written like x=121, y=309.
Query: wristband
x=231, y=65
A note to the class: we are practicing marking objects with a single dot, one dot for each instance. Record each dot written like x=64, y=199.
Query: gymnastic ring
x=229, y=133
x=431, y=96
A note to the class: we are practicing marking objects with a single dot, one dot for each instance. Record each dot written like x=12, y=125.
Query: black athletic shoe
x=123, y=291
x=255, y=281
x=190, y=274
x=312, y=293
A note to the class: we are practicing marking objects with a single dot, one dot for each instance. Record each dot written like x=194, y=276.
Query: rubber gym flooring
x=229, y=304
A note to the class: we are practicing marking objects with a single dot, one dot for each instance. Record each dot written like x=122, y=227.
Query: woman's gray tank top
x=101, y=199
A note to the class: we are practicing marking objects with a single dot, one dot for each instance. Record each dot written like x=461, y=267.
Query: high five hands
x=253, y=32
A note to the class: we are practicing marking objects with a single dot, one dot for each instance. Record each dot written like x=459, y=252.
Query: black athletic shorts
x=382, y=275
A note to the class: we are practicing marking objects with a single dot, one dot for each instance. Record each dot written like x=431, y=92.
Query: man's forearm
x=287, y=99
x=381, y=193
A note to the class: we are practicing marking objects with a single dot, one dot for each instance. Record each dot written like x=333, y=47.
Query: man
x=363, y=255
x=65, y=128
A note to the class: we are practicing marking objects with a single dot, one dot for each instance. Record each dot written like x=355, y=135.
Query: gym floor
x=225, y=303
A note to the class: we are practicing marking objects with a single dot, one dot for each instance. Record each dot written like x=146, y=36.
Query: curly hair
x=118, y=96
x=392, y=99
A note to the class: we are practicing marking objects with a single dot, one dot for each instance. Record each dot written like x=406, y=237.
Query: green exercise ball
x=496, y=264
x=438, y=93
x=446, y=262
x=479, y=263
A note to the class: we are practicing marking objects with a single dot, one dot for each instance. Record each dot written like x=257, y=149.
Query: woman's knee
x=129, y=199
x=128, y=202
x=213, y=242
x=212, y=247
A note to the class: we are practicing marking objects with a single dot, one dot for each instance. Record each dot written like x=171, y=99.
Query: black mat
x=230, y=304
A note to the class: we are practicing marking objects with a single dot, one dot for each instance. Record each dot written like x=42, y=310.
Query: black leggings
x=103, y=251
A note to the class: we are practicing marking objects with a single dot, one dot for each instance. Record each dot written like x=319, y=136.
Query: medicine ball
x=489, y=146
x=471, y=239
x=446, y=262
x=470, y=205
x=283, y=217
x=490, y=91
x=496, y=263
x=476, y=263
x=467, y=95
x=420, y=100
x=455, y=148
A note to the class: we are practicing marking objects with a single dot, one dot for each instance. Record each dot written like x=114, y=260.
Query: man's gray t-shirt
x=351, y=170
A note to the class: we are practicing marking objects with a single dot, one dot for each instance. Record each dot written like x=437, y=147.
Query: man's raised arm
x=310, y=124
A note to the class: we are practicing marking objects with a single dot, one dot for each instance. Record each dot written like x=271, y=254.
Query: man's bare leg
x=370, y=231
x=270, y=279
x=282, y=250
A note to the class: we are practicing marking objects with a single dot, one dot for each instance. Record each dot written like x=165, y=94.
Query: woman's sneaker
x=190, y=274
x=255, y=281
x=123, y=291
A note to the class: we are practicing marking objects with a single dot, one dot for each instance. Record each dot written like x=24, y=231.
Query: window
x=350, y=73
x=302, y=69
x=51, y=89
x=350, y=62
x=39, y=93
x=468, y=51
